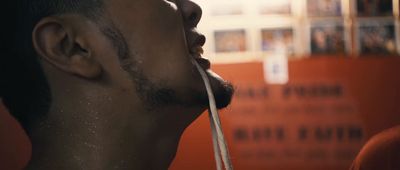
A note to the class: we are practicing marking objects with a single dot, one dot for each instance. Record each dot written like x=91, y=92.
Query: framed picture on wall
x=222, y=9
x=324, y=8
x=274, y=38
x=376, y=37
x=370, y=8
x=230, y=41
x=327, y=38
x=280, y=7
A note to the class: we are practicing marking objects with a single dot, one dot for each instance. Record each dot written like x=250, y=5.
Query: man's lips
x=196, y=50
x=196, y=53
x=204, y=63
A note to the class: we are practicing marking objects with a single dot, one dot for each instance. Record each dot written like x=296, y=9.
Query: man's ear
x=60, y=44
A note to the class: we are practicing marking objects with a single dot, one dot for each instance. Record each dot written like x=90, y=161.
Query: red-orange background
x=370, y=88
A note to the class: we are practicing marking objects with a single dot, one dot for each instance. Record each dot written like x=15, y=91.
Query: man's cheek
x=169, y=74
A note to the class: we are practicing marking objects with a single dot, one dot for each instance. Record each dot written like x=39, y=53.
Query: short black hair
x=23, y=85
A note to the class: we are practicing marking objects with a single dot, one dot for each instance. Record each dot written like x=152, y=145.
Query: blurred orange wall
x=318, y=121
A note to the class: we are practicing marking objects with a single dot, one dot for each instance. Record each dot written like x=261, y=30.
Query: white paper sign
x=276, y=68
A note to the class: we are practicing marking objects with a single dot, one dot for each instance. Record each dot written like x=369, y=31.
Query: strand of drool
x=219, y=144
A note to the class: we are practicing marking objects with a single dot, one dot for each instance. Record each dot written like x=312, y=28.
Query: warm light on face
x=172, y=4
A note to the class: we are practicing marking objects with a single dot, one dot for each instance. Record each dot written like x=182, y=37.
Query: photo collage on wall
x=329, y=27
x=376, y=30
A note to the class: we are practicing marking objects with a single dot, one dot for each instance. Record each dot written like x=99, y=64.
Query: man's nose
x=191, y=13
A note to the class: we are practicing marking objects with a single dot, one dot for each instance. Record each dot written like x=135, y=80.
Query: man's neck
x=87, y=143
x=101, y=138
x=104, y=126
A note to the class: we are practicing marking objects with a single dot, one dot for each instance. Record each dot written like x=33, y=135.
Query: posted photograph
x=370, y=8
x=281, y=7
x=274, y=38
x=327, y=38
x=222, y=9
x=230, y=41
x=377, y=38
x=324, y=8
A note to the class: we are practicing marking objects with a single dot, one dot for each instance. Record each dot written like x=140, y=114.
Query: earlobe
x=60, y=44
x=84, y=67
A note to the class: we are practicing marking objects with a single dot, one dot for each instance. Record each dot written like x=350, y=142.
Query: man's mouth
x=196, y=53
x=204, y=63
x=223, y=89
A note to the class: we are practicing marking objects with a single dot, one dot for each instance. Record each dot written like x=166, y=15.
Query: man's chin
x=222, y=89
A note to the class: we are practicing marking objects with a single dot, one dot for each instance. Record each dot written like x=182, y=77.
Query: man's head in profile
x=106, y=84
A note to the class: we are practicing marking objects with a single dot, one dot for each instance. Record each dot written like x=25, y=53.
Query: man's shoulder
x=382, y=151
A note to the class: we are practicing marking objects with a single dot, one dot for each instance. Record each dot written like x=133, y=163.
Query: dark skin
x=98, y=119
